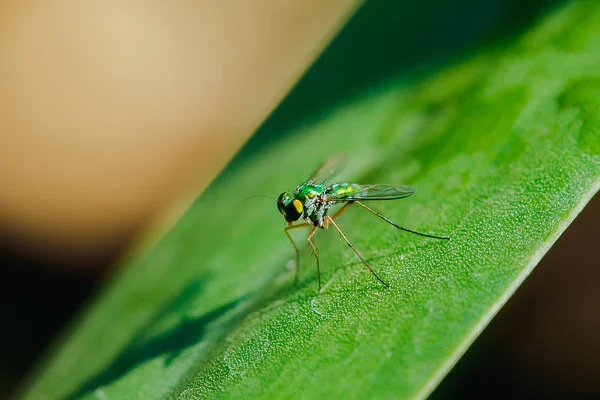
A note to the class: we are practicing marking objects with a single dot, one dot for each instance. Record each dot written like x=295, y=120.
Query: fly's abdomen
x=342, y=190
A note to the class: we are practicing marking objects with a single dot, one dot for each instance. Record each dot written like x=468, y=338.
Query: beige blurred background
x=116, y=113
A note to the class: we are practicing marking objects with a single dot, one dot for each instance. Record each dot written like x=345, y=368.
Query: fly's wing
x=373, y=192
x=329, y=168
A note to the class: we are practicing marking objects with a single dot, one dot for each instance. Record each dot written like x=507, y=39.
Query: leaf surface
x=504, y=151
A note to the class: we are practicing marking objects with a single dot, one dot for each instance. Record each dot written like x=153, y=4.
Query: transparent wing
x=330, y=167
x=374, y=192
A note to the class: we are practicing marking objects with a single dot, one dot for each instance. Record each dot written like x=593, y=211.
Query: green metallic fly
x=312, y=199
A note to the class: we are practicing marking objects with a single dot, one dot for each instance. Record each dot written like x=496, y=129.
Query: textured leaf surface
x=504, y=150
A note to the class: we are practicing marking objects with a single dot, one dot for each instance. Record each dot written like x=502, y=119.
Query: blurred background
x=542, y=344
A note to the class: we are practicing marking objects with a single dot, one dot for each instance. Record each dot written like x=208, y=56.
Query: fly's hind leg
x=340, y=211
x=389, y=221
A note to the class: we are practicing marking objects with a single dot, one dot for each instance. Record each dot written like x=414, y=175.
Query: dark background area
x=542, y=344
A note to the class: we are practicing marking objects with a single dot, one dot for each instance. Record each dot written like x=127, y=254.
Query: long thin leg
x=389, y=221
x=353, y=249
x=341, y=210
x=295, y=248
x=314, y=250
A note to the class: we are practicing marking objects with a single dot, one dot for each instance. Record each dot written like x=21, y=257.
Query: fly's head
x=289, y=207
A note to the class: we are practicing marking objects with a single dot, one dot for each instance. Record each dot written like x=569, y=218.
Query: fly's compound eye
x=290, y=208
x=283, y=201
x=293, y=211
x=298, y=206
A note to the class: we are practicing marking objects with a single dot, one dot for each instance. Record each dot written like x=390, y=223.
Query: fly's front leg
x=314, y=250
x=295, y=247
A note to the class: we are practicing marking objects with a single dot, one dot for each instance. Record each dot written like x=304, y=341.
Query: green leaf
x=504, y=150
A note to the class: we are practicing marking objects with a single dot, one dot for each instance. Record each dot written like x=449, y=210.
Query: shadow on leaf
x=144, y=346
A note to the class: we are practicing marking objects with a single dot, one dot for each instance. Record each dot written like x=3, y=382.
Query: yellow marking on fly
x=297, y=205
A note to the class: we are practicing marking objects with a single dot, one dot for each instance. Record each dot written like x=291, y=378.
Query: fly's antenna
x=253, y=197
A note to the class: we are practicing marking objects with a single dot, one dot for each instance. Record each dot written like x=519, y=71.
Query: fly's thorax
x=309, y=191
x=314, y=199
